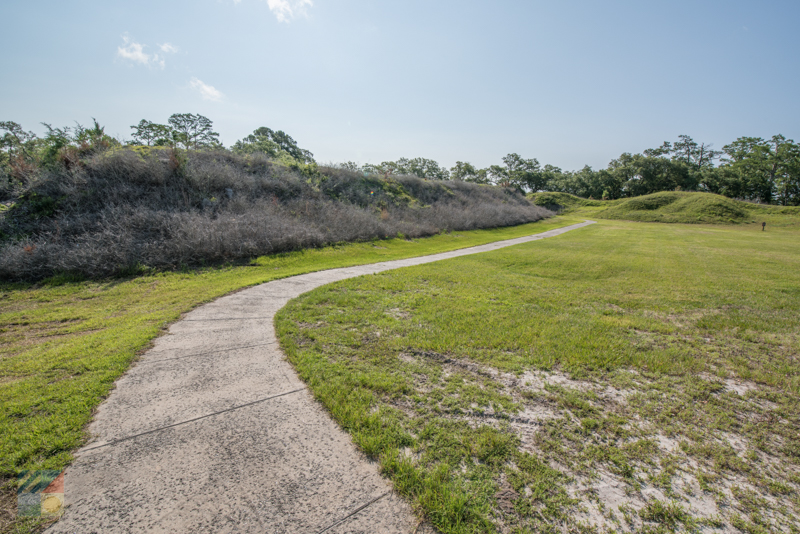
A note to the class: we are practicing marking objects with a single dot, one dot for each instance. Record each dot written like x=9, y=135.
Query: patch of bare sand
x=740, y=387
x=607, y=501
x=610, y=504
x=398, y=314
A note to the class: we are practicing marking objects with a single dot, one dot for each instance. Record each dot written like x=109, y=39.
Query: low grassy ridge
x=624, y=377
x=673, y=207
x=62, y=343
x=563, y=201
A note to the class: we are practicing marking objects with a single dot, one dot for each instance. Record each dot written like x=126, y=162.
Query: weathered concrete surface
x=212, y=431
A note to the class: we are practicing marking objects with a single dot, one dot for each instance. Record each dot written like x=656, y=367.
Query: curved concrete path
x=212, y=431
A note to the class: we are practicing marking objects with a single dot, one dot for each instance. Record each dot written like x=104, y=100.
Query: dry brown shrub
x=123, y=210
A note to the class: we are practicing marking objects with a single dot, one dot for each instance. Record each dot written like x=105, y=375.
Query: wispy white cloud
x=168, y=48
x=133, y=51
x=285, y=10
x=206, y=91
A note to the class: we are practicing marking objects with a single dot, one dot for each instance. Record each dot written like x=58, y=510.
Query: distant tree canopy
x=184, y=130
x=749, y=168
x=516, y=171
x=760, y=169
x=193, y=131
x=421, y=167
x=467, y=172
x=149, y=133
x=272, y=143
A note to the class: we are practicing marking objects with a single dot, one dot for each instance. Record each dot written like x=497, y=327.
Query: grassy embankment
x=626, y=376
x=673, y=207
x=62, y=344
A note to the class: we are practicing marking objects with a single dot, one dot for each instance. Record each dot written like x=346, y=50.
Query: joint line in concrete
x=159, y=429
x=351, y=514
x=208, y=353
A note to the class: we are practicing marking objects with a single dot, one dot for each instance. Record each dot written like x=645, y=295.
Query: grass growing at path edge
x=63, y=344
x=625, y=376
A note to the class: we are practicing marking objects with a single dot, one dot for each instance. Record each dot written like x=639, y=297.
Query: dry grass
x=127, y=211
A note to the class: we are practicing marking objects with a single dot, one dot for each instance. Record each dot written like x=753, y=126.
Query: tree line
x=750, y=168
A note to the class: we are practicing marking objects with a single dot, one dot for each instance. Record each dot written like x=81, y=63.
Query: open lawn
x=622, y=377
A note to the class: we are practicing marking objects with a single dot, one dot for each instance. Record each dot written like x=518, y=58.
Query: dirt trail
x=212, y=431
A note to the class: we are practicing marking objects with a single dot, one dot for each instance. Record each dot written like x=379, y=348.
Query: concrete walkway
x=212, y=431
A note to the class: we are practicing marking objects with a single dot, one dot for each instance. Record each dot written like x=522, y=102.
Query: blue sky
x=568, y=82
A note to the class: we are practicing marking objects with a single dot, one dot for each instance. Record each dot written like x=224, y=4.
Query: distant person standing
x=763, y=226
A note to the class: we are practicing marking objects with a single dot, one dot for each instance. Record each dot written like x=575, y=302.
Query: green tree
x=566, y=182
x=258, y=144
x=423, y=168
x=193, y=131
x=516, y=171
x=372, y=168
x=92, y=139
x=767, y=170
x=749, y=160
x=401, y=167
x=420, y=167
x=18, y=153
x=16, y=140
x=550, y=177
x=663, y=150
x=274, y=143
x=54, y=142
x=289, y=145
x=692, y=167
x=787, y=175
x=150, y=133
x=642, y=174
x=695, y=156
x=588, y=183
x=68, y=146
x=467, y=172
x=350, y=166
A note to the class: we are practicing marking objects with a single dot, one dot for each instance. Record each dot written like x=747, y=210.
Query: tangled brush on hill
x=127, y=210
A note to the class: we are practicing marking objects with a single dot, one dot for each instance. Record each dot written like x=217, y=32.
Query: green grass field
x=622, y=377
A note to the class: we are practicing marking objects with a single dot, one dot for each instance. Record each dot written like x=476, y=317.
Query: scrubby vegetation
x=124, y=210
x=672, y=207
